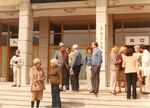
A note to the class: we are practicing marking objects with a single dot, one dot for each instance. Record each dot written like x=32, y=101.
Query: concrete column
x=43, y=42
x=25, y=38
x=101, y=36
x=110, y=45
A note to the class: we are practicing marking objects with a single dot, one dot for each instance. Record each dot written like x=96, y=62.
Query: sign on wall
x=100, y=38
x=136, y=40
x=14, y=42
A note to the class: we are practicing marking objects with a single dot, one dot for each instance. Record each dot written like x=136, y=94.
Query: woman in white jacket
x=146, y=67
x=130, y=64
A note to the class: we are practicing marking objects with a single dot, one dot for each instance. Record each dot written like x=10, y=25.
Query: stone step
x=126, y=103
x=13, y=97
x=82, y=94
x=75, y=98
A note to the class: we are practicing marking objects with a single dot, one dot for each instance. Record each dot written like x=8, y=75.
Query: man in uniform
x=15, y=63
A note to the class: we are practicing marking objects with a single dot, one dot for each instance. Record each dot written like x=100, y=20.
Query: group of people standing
x=64, y=70
x=132, y=66
x=126, y=65
x=70, y=60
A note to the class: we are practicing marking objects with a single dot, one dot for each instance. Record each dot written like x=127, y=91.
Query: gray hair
x=75, y=46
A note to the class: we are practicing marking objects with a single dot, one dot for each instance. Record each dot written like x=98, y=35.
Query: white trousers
x=88, y=76
x=113, y=80
x=147, y=84
x=17, y=75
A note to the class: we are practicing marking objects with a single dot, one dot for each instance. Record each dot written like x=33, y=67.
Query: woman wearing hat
x=56, y=79
x=37, y=78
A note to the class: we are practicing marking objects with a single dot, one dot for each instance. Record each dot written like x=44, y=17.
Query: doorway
x=11, y=54
x=72, y=30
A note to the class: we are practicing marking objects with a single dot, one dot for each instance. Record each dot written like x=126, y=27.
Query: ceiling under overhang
x=50, y=1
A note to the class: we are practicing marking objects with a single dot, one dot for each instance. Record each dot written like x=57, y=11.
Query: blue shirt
x=88, y=60
x=97, y=57
x=76, y=58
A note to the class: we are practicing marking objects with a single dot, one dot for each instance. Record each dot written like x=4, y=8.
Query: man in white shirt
x=146, y=67
x=15, y=63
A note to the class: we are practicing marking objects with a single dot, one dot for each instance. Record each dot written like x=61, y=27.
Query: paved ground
x=20, y=98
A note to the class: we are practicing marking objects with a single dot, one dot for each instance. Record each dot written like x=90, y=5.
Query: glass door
x=4, y=52
x=8, y=45
x=81, y=32
x=3, y=63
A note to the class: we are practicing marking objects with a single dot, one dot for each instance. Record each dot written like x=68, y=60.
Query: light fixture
x=136, y=7
x=70, y=10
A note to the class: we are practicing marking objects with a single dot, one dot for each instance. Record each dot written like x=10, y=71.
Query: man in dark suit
x=62, y=58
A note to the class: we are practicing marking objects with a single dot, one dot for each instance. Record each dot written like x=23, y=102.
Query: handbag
x=35, y=87
x=71, y=71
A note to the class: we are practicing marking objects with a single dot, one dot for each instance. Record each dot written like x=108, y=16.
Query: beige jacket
x=37, y=77
x=55, y=75
x=114, y=63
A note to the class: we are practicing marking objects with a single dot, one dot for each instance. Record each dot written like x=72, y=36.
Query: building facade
x=37, y=26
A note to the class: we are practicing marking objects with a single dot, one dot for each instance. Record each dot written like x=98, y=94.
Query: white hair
x=36, y=60
x=54, y=61
x=75, y=46
x=136, y=46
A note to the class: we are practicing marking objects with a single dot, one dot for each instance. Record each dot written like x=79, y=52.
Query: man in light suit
x=146, y=67
x=16, y=63
x=62, y=58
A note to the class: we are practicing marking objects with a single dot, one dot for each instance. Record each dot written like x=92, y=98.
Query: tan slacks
x=17, y=75
x=113, y=80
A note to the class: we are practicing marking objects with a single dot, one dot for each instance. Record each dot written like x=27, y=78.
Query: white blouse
x=129, y=63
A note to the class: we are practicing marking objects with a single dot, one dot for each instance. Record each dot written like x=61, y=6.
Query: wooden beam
x=62, y=5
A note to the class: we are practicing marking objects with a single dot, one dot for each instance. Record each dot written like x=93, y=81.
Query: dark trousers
x=56, y=103
x=95, y=70
x=131, y=79
x=67, y=79
x=75, y=77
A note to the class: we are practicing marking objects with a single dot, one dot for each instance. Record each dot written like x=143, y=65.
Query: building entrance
x=132, y=32
x=8, y=45
x=72, y=30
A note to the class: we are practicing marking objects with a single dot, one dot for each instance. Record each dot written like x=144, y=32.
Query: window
x=35, y=37
x=55, y=33
x=3, y=40
x=72, y=32
x=4, y=35
x=36, y=34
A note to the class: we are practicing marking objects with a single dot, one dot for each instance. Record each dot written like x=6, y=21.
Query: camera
x=16, y=62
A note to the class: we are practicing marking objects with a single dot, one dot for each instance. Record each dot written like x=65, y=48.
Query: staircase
x=14, y=97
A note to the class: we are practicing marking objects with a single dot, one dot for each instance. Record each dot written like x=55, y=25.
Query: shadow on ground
x=70, y=105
